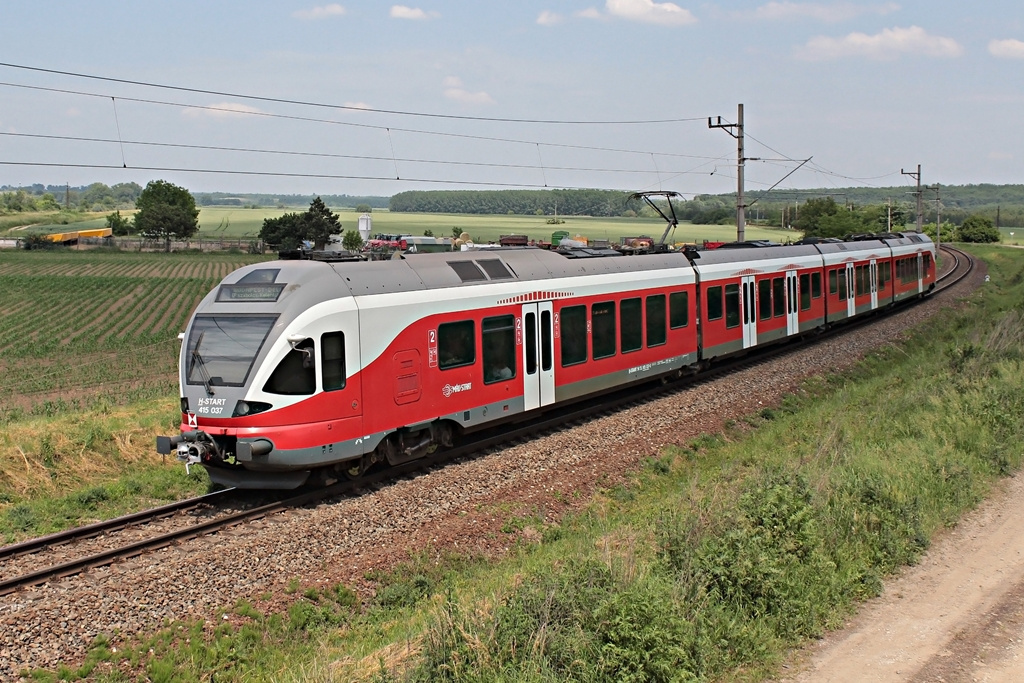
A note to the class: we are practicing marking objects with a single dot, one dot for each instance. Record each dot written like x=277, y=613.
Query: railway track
x=553, y=421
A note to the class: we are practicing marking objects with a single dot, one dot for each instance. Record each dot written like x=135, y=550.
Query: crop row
x=121, y=264
x=74, y=326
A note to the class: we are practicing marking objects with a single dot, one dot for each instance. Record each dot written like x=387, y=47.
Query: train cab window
x=764, y=299
x=499, y=348
x=332, y=360
x=602, y=317
x=456, y=345
x=841, y=275
x=732, y=305
x=805, y=291
x=714, y=303
x=295, y=375
x=573, y=332
x=656, y=331
x=815, y=285
x=631, y=330
x=678, y=310
x=778, y=296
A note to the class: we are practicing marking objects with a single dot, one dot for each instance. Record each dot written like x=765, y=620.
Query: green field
x=80, y=325
x=215, y=222
x=230, y=223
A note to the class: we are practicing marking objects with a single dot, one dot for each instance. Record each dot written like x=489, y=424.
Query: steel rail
x=34, y=545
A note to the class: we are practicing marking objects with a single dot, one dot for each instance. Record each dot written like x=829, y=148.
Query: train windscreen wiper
x=197, y=362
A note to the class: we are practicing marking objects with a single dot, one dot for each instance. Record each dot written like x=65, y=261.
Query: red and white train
x=290, y=368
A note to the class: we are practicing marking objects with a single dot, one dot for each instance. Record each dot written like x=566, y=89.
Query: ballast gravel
x=459, y=508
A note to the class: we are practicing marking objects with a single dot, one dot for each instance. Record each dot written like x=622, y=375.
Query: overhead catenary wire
x=307, y=103
x=307, y=119
x=333, y=155
x=387, y=130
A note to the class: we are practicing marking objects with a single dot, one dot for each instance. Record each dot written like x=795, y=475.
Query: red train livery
x=290, y=368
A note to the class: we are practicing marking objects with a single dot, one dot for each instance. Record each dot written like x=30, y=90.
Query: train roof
x=455, y=269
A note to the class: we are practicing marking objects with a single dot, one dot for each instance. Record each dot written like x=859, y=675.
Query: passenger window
x=805, y=291
x=816, y=285
x=841, y=273
x=499, y=348
x=332, y=360
x=295, y=375
x=656, y=333
x=573, y=331
x=714, y=303
x=678, y=309
x=456, y=346
x=833, y=285
x=602, y=316
x=732, y=305
x=631, y=329
x=778, y=296
x=764, y=295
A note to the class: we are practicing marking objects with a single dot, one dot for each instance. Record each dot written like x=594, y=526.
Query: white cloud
x=591, y=13
x=322, y=12
x=1000, y=156
x=221, y=110
x=840, y=11
x=1006, y=49
x=358, y=105
x=547, y=18
x=648, y=11
x=403, y=12
x=889, y=44
x=454, y=90
x=73, y=112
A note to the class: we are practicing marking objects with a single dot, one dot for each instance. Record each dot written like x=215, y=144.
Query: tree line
x=520, y=202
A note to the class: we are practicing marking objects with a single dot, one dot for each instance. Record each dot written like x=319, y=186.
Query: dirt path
x=956, y=616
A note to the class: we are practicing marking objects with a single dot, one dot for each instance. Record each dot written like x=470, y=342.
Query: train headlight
x=244, y=408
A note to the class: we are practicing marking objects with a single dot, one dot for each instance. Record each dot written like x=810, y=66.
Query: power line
x=329, y=155
x=278, y=100
x=281, y=174
x=307, y=119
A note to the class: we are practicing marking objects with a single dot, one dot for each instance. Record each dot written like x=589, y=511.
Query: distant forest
x=1002, y=204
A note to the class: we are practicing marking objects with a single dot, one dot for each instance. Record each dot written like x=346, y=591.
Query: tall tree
x=321, y=223
x=289, y=231
x=166, y=212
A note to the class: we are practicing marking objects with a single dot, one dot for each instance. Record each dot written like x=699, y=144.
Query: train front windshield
x=222, y=348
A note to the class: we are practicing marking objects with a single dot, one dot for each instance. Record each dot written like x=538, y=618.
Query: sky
x=361, y=97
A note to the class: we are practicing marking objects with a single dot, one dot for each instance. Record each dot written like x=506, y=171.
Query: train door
x=920, y=273
x=873, y=270
x=538, y=354
x=792, y=303
x=749, y=311
x=851, y=287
